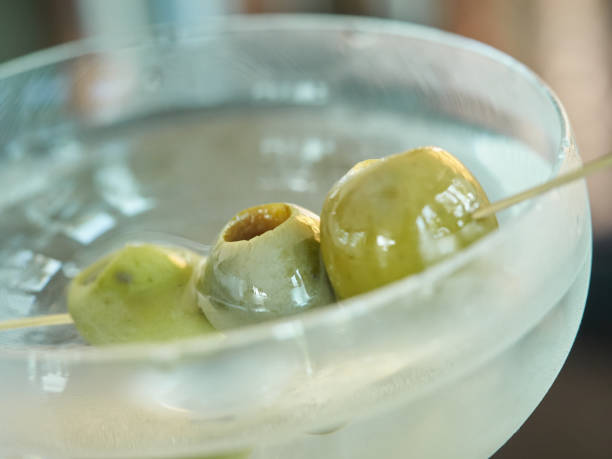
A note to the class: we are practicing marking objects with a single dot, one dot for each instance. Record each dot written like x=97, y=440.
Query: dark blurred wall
x=22, y=28
x=30, y=25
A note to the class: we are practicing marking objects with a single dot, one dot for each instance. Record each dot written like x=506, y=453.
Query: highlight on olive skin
x=393, y=217
x=265, y=264
x=140, y=293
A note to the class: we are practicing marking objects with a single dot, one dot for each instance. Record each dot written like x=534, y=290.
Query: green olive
x=393, y=217
x=139, y=293
x=265, y=264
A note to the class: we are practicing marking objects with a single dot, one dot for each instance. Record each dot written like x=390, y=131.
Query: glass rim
x=344, y=310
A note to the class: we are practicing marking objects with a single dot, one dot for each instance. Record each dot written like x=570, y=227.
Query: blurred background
x=567, y=42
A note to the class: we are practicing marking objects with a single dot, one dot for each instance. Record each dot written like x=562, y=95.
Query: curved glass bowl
x=174, y=130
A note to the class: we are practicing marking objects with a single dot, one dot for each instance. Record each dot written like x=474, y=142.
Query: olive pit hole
x=256, y=221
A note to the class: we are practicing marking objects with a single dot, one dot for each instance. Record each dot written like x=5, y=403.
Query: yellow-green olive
x=265, y=264
x=138, y=293
x=393, y=217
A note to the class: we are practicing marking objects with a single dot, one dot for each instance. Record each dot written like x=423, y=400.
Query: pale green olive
x=138, y=293
x=393, y=217
x=265, y=264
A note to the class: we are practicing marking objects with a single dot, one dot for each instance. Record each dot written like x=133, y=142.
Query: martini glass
x=162, y=136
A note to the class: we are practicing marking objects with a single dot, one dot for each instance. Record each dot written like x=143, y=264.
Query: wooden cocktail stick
x=36, y=321
x=590, y=167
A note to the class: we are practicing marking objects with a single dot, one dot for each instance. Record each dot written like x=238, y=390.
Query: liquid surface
x=73, y=201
